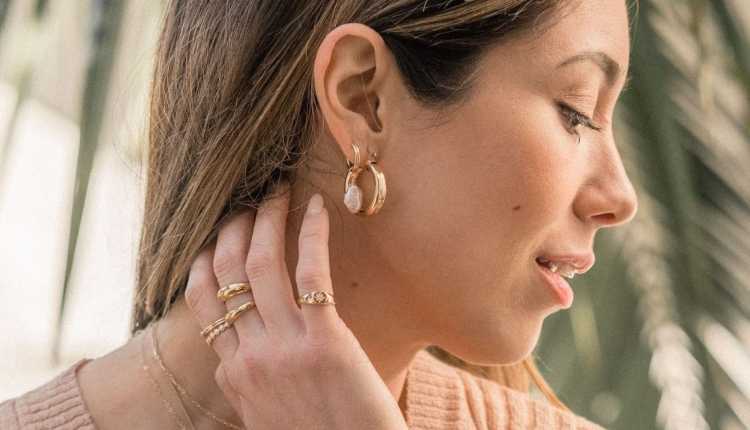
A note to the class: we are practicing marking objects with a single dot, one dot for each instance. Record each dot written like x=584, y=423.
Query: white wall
x=36, y=188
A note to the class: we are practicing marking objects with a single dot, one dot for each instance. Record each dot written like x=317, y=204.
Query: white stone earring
x=353, y=193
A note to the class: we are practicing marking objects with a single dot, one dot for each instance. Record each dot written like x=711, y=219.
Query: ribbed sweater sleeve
x=438, y=397
x=441, y=397
x=55, y=405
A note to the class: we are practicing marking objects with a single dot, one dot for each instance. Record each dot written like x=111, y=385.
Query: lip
x=582, y=262
x=559, y=286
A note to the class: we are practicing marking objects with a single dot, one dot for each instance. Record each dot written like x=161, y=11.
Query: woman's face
x=474, y=200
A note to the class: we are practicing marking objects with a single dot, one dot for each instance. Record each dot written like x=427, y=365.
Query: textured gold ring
x=316, y=298
x=220, y=325
x=227, y=292
x=212, y=326
x=217, y=331
x=235, y=313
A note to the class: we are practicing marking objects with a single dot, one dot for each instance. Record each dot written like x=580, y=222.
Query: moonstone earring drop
x=353, y=193
x=353, y=198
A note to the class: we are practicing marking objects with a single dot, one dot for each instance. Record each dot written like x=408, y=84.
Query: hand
x=283, y=367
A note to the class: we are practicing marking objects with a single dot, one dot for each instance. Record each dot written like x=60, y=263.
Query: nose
x=607, y=198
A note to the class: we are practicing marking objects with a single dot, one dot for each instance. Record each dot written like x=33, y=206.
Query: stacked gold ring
x=225, y=293
x=219, y=326
x=231, y=290
x=219, y=329
x=235, y=313
x=211, y=327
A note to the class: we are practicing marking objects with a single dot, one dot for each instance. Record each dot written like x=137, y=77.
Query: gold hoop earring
x=352, y=192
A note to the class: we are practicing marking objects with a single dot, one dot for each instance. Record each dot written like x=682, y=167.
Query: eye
x=575, y=119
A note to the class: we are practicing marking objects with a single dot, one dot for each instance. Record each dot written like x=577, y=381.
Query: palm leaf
x=706, y=237
x=685, y=141
x=737, y=39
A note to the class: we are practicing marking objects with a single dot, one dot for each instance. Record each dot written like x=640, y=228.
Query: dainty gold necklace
x=183, y=391
x=155, y=383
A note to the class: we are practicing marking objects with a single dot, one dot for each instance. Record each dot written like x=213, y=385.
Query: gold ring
x=220, y=325
x=316, y=298
x=231, y=290
x=216, y=332
x=235, y=313
x=212, y=326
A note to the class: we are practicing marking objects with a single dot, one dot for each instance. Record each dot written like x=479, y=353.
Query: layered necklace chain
x=183, y=392
x=167, y=404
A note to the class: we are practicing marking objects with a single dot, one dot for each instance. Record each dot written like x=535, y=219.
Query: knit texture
x=441, y=397
x=55, y=405
x=438, y=397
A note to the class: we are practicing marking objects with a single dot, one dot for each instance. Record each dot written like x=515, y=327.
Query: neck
x=369, y=302
x=192, y=362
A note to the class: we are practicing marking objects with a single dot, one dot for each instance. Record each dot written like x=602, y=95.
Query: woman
x=490, y=123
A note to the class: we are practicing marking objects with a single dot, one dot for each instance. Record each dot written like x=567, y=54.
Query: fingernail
x=315, y=205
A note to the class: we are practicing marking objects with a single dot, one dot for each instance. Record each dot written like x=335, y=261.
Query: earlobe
x=351, y=73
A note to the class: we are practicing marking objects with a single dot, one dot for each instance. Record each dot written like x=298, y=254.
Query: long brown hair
x=232, y=111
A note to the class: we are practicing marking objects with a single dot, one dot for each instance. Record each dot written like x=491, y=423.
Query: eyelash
x=576, y=118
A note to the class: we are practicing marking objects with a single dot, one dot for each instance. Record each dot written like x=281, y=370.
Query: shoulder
x=491, y=405
x=55, y=404
x=8, y=417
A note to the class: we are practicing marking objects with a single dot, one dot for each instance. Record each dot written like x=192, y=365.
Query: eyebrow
x=609, y=66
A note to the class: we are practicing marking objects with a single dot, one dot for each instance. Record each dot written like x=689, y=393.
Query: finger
x=267, y=270
x=200, y=296
x=232, y=246
x=224, y=383
x=313, y=266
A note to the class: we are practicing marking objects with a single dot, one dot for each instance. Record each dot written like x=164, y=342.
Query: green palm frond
x=685, y=139
x=712, y=141
x=737, y=39
x=673, y=369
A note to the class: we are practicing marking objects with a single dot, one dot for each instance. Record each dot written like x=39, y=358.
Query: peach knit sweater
x=438, y=396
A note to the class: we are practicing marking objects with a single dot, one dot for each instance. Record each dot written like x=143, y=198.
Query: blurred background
x=659, y=334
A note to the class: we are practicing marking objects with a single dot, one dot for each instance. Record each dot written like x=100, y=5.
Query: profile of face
x=475, y=197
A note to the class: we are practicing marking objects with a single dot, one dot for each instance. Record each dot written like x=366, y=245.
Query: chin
x=508, y=346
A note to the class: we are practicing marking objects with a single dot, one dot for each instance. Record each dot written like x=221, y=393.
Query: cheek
x=476, y=190
x=525, y=159
x=472, y=200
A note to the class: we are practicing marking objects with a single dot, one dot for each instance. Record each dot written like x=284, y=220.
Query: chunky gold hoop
x=352, y=192
x=231, y=290
x=316, y=298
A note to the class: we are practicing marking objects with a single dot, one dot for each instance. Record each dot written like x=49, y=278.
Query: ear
x=354, y=78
